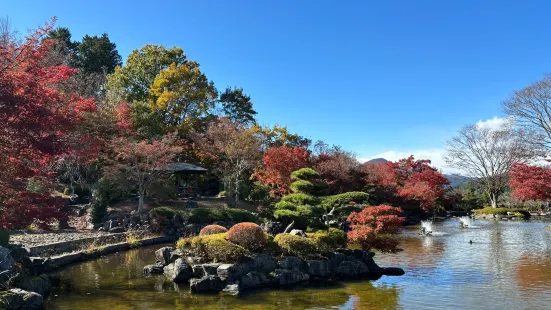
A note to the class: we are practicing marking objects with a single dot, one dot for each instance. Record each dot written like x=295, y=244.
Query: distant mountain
x=376, y=161
x=455, y=179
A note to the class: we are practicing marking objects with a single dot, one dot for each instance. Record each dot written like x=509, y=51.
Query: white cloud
x=493, y=123
x=436, y=156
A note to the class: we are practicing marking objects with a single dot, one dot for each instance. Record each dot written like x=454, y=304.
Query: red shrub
x=373, y=227
x=248, y=235
x=212, y=230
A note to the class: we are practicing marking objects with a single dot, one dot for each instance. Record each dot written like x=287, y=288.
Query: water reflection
x=507, y=266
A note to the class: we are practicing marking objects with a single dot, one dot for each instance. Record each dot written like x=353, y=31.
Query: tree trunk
x=493, y=199
x=140, y=202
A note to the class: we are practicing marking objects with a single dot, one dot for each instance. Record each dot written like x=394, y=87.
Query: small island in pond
x=245, y=258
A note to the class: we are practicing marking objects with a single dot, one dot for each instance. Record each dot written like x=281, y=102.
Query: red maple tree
x=373, y=227
x=36, y=120
x=530, y=182
x=279, y=162
x=409, y=179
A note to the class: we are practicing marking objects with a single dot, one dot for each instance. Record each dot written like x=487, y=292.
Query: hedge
x=501, y=211
x=304, y=174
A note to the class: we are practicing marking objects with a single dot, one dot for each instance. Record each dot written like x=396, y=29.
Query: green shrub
x=305, y=174
x=165, y=212
x=163, y=190
x=238, y=216
x=99, y=209
x=210, y=215
x=501, y=211
x=300, y=199
x=340, y=200
x=214, y=248
x=248, y=235
x=4, y=236
x=112, y=190
x=330, y=241
x=304, y=248
x=302, y=186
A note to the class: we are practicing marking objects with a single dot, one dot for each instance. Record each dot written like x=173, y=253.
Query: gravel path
x=36, y=239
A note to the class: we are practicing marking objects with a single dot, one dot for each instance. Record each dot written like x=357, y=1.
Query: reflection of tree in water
x=417, y=251
x=371, y=297
x=533, y=273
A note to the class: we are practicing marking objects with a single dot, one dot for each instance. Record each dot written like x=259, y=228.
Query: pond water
x=507, y=266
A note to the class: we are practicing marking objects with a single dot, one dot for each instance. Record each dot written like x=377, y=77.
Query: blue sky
x=376, y=77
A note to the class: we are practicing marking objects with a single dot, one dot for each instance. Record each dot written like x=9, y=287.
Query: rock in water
x=163, y=255
x=231, y=289
x=40, y=285
x=351, y=269
x=207, y=283
x=289, y=277
x=318, y=268
x=253, y=279
x=20, y=299
x=393, y=271
x=293, y=263
x=179, y=271
x=153, y=269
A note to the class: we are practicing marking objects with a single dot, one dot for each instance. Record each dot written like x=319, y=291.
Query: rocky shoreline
x=262, y=270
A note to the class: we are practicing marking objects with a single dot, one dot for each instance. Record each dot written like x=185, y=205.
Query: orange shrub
x=248, y=235
x=212, y=230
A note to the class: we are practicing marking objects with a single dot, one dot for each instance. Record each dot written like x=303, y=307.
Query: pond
x=507, y=266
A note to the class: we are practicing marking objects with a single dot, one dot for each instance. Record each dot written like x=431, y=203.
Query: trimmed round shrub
x=212, y=230
x=304, y=248
x=214, y=248
x=248, y=235
x=330, y=241
x=304, y=174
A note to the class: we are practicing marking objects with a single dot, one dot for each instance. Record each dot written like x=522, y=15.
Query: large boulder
x=208, y=283
x=351, y=269
x=17, y=298
x=335, y=259
x=40, y=285
x=6, y=261
x=318, y=268
x=179, y=271
x=285, y=277
x=153, y=269
x=232, y=272
x=263, y=263
x=205, y=270
x=164, y=255
x=292, y=263
x=253, y=279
